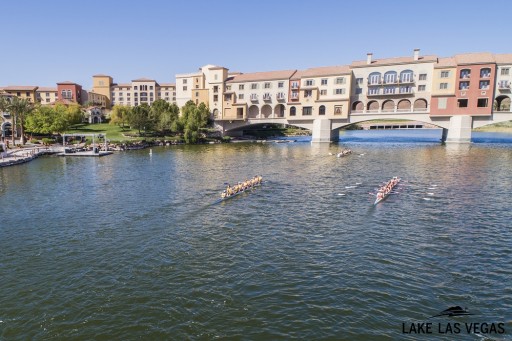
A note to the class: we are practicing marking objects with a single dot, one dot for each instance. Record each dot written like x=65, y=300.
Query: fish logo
x=453, y=311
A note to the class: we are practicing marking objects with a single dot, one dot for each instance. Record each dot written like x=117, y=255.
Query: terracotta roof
x=326, y=71
x=101, y=75
x=20, y=87
x=68, y=83
x=262, y=76
x=297, y=75
x=445, y=62
x=474, y=58
x=394, y=60
x=505, y=58
x=143, y=80
x=167, y=84
x=46, y=89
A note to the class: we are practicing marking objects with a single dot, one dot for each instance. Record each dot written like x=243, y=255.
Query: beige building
x=401, y=84
x=142, y=90
x=101, y=85
x=503, y=93
x=46, y=95
x=22, y=91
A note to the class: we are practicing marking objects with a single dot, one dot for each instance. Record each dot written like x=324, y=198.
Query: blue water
x=134, y=246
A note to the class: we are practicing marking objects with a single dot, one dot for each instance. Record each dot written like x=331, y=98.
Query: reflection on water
x=135, y=245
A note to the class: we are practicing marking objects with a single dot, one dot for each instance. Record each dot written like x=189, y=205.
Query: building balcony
x=504, y=85
x=406, y=81
x=280, y=96
x=267, y=97
x=390, y=94
x=295, y=86
x=254, y=97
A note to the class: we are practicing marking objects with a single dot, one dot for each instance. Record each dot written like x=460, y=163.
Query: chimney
x=416, y=54
x=369, y=58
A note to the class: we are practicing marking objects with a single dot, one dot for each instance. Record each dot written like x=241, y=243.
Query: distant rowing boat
x=225, y=197
x=392, y=183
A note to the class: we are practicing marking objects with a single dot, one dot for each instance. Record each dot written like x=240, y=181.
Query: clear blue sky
x=44, y=42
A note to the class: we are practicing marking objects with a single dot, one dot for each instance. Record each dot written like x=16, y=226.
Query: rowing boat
x=240, y=192
x=386, y=194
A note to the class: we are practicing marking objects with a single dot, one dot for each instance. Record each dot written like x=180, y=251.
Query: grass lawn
x=502, y=127
x=113, y=132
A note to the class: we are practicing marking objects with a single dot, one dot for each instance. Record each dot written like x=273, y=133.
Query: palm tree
x=19, y=109
x=4, y=103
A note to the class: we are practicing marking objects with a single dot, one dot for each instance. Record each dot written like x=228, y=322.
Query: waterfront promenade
x=17, y=156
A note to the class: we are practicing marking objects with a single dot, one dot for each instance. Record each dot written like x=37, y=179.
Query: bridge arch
x=254, y=111
x=388, y=105
x=502, y=103
x=279, y=110
x=266, y=111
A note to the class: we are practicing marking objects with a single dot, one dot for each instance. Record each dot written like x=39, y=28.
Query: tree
x=139, y=117
x=57, y=119
x=193, y=118
x=119, y=115
x=74, y=115
x=20, y=109
x=164, y=115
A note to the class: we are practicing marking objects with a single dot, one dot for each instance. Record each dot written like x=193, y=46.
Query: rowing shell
x=386, y=194
x=240, y=192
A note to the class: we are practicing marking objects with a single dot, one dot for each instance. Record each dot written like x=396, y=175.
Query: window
x=374, y=78
x=267, y=85
x=323, y=81
x=228, y=87
x=166, y=94
x=443, y=86
x=321, y=110
x=197, y=93
x=295, y=94
x=462, y=103
x=505, y=71
x=47, y=100
x=240, y=87
x=339, y=91
x=373, y=91
x=135, y=87
x=197, y=86
x=254, y=86
x=323, y=92
x=215, y=98
x=227, y=97
x=309, y=82
x=421, y=87
x=441, y=104
x=280, y=85
x=215, y=89
x=293, y=111
x=406, y=76
x=423, y=76
x=308, y=93
x=101, y=83
x=151, y=87
x=484, y=85
x=184, y=82
x=307, y=111
x=239, y=112
x=445, y=74
x=463, y=85
x=485, y=73
x=216, y=77
x=340, y=80
x=482, y=102
x=266, y=96
x=18, y=94
x=241, y=96
x=295, y=85
x=359, y=81
x=389, y=90
x=359, y=91
x=184, y=88
x=466, y=73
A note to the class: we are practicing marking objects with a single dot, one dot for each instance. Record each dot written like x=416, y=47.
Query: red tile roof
x=20, y=87
x=474, y=58
x=505, y=58
x=143, y=80
x=394, y=60
x=46, y=89
x=326, y=71
x=262, y=76
x=445, y=62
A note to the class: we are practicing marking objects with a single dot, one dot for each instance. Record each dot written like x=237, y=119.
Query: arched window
x=406, y=76
x=321, y=110
x=390, y=77
x=374, y=78
x=293, y=111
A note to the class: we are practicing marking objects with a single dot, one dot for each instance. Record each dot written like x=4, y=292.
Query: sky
x=45, y=42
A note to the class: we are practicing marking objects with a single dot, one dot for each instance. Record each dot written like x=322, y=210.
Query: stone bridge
x=456, y=128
